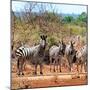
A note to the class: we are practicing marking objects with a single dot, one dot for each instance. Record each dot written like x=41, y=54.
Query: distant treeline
x=28, y=25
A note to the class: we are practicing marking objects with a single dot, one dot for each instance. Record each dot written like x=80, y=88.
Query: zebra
x=34, y=54
x=81, y=56
x=70, y=54
x=55, y=54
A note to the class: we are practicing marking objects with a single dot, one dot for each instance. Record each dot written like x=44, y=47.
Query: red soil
x=48, y=79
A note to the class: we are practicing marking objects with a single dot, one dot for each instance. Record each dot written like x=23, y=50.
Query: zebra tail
x=18, y=63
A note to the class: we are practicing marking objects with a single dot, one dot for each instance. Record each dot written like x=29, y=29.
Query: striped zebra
x=81, y=56
x=70, y=54
x=56, y=53
x=34, y=54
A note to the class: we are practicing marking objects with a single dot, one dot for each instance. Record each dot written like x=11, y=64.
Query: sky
x=59, y=8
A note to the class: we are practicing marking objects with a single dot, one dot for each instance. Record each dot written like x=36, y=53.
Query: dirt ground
x=48, y=79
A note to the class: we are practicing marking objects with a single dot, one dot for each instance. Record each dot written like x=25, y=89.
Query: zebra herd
x=36, y=55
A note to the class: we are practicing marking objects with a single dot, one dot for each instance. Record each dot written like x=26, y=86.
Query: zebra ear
x=70, y=42
x=73, y=42
x=59, y=41
x=62, y=41
x=46, y=36
x=41, y=36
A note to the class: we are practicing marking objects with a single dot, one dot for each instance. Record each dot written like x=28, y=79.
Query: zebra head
x=71, y=47
x=62, y=47
x=72, y=44
x=43, y=41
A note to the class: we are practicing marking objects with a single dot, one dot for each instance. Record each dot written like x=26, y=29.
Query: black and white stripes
x=56, y=55
x=23, y=51
x=34, y=54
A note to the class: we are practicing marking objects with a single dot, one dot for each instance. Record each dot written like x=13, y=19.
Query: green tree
x=68, y=19
x=82, y=17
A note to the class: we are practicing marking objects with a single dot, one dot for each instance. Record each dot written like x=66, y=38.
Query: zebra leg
x=77, y=71
x=57, y=64
x=81, y=68
x=69, y=63
x=54, y=64
x=22, y=65
x=41, y=69
x=78, y=63
x=35, y=72
x=50, y=64
x=77, y=68
x=69, y=66
x=18, y=66
x=60, y=65
x=85, y=67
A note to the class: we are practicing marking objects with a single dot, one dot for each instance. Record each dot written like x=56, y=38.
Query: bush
x=52, y=41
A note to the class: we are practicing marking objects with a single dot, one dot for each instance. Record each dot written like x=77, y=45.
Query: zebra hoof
x=78, y=76
x=18, y=74
x=54, y=70
x=41, y=73
x=22, y=73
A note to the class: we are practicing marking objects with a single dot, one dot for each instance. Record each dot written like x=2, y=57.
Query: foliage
x=68, y=19
x=29, y=25
x=81, y=20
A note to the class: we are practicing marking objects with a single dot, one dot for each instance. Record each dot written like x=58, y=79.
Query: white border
x=5, y=43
